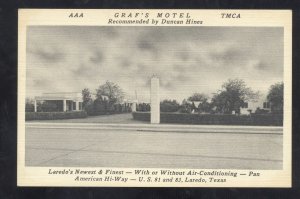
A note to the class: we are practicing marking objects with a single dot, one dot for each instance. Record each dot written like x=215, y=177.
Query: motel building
x=251, y=106
x=63, y=101
x=246, y=109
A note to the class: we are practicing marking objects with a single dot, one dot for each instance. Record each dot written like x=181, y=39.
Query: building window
x=80, y=105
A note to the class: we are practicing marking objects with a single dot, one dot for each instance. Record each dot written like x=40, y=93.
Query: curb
x=161, y=128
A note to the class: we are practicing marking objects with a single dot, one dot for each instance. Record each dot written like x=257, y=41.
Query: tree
x=204, y=105
x=29, y=105
x=185, y=107
x=233, y=95
x=275, y=97
x=198, y=97
x=114, y=93
x=86, y=97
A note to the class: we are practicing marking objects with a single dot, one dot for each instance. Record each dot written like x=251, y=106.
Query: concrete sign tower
x=155, y=101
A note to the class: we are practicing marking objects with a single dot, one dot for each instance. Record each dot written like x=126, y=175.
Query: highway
x=153, y=146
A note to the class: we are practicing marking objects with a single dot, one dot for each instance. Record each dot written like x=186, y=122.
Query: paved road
x=164, y=146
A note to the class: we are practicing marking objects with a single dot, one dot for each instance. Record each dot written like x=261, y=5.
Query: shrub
x=185, y=109
x=96, y=107
x=89, y=108
x=184, y=118
x=29, y=107
x=268, y=119
x=261, y=111
x=49, y=107
x=169, y=106
x=103, y=107
x=143, y=107
x=142, y=116
x=100, y=107
x=54, y=115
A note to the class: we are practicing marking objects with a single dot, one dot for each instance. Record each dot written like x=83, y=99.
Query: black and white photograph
x=148, y=97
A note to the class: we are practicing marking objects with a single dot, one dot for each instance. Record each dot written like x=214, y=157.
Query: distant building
x=251, y=106
x=62, y=101
x=103, y=97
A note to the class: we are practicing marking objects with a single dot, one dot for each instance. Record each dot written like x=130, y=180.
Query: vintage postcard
x=154, y=98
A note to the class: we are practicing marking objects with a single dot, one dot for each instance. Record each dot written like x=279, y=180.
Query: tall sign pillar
x=133, y=107
x=35, y=106
x=155, y=101
x=64, y=105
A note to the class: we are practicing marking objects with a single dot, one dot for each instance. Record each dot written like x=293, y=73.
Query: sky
x=186, y=59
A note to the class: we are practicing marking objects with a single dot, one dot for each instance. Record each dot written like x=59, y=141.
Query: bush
x=29, y=107
x=96, y=107
x=185, y=109
x=143, y=107
x=142, y=116
x=103, y=107
x=89, y=108
x=268, y=119
x=121, y=108
x=169, y=106
x=214, y=119
x=100, y=107
x=50, y=106
x=261, y=111
x=54, y=115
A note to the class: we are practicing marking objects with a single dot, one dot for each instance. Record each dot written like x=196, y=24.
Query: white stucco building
x=251, y=106
x=65, y=101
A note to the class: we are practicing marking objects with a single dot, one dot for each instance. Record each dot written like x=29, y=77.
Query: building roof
x=60, y=96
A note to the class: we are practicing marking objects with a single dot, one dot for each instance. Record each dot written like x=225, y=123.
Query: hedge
x=98, y=107
x=54, y=115
x=215, y=119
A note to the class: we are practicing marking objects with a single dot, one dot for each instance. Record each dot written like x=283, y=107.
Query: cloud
x=187, y=59
x=49, y=54
x=144, y=44
x=41, y=82
x=262, y=66
x=97, y=57
x=167, y=84
x=183, y=55
x=85, y=71
x=182, y=77
x=110, y=32
x=229, y=55
x=125, y=63
x=180, y=68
